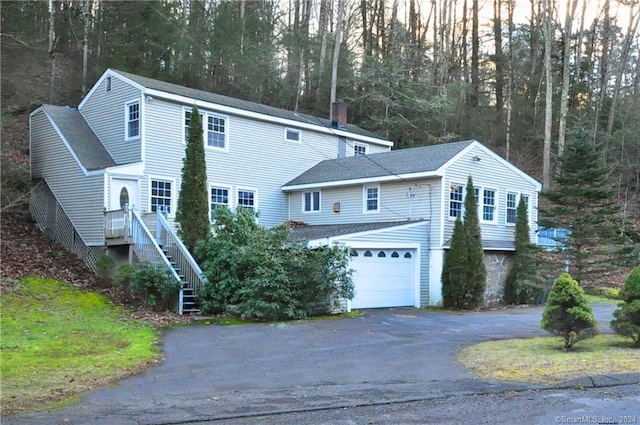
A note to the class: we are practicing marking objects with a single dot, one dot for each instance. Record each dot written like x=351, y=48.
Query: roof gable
x=83, y=142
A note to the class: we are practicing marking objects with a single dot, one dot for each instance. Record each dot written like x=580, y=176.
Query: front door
x=123, y=192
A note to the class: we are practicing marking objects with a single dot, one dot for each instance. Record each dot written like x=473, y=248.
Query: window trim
x=365, y=199
x=461, y=201
x=172, y=200
x=518, y=196
x=288, y=130
x=127, y=105
x=229, y=196
x=205, y=129
x=304, y=202
x=482, y=204
x=359, y=145
x=246, y=189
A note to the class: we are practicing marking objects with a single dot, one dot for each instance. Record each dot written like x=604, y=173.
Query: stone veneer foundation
x=498, y=264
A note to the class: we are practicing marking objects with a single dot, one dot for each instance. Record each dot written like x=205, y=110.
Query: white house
x=108, y=167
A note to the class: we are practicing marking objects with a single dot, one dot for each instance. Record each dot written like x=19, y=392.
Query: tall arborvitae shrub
x=476, y=270
x=523, y=285
x=568, y=314
x=464, y=274
x=193, y=203
x=454, y=269
x=626, y=320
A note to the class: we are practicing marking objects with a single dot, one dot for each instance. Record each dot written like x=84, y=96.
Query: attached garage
x=384, y=277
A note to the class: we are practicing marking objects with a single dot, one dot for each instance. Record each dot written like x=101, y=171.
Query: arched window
x=353, y=252
x=395, y=254
x=124, y=197
x=368, y=253
x=381, y=254
x=407, y=255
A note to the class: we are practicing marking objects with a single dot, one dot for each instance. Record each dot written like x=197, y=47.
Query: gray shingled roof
x=401, y=161
x=84, y=142
x=313, y=232
x=238, y=103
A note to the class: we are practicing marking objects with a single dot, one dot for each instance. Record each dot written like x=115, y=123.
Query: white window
x=488, y=205
x=371, y=199
x=311, y=201
x=132, y=111
x=247, y=198
x=360, y=148
x=512, y=206
x=107, y=85
x=455, y=200
x=292, y=135
x=219, y=197
x=161, y=196
x=216, y=132
x=187, y=123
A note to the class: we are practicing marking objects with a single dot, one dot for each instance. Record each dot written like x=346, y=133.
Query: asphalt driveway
x=229, y=371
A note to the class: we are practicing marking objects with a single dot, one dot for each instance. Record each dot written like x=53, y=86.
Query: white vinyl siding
x=257, y=159
x=491, y=173
x=52, y=161
x=105, y=113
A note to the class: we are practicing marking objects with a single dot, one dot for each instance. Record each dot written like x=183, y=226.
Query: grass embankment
x=542, y=361
x=58, y=341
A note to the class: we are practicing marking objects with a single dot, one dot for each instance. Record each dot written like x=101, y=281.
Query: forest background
x=520, y=76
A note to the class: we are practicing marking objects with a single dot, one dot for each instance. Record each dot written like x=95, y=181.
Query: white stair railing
x=189, y=268
x=147, y=249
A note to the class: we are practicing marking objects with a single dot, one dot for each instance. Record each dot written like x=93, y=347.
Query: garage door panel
x=387, y=281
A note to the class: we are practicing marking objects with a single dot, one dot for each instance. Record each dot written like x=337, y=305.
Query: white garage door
x=383, y=277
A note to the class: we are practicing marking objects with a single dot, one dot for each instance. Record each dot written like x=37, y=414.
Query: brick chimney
x=339, y=114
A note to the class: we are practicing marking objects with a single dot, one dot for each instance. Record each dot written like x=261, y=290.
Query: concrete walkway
x=214, y=372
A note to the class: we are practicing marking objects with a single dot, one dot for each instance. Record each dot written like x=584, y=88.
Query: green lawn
x=542, y=361
x=58, y=341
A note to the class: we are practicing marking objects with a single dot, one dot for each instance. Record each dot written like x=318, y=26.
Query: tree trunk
x=548, y=39
x=86, y=6
x=475, y=56
x=52, y=59
x=628, y=40
x=564, y=97
x=336, y=54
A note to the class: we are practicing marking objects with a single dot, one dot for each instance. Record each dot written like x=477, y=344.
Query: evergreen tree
x=476, y=272
x=193, y=203
x=583, y=203
x=567, y=313
x=454, y=269
x=627, y=317
x=522, y=286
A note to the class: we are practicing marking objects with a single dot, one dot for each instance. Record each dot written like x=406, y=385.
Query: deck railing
x=117, y=223
x=179, y=255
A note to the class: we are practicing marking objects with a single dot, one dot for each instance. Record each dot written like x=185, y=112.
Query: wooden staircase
x=188, y=300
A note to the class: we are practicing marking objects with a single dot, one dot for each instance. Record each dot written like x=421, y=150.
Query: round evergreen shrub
x=568, y=314
x=626, y=320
